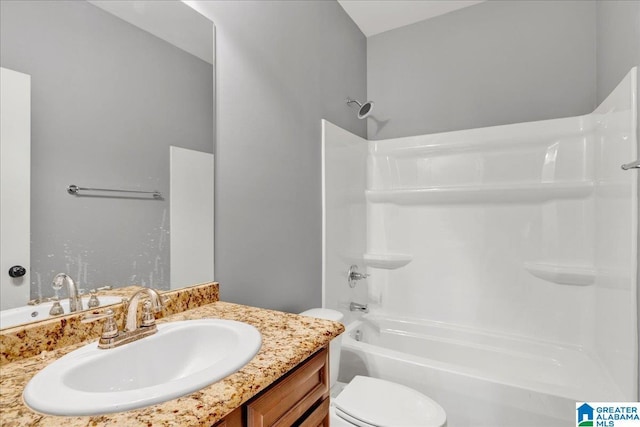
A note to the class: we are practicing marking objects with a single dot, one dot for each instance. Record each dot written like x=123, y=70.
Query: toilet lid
x=367, y=402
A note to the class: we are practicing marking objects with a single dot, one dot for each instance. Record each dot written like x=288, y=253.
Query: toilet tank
x=336, y=343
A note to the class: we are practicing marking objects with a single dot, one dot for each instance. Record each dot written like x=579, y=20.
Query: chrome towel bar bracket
x=75, y=190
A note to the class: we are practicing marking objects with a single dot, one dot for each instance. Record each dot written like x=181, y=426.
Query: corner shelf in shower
x=481, y=193
x=562, y=274
x=386, y=261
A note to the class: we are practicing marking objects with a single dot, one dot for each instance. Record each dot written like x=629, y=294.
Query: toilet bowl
x=372, y=402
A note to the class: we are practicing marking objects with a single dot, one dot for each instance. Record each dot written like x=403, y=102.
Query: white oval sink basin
x=181, y=358
x=32, y=313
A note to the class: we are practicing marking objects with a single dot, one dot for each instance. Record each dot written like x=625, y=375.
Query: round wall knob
x=17, y=271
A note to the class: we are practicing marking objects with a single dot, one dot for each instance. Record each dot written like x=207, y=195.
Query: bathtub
x=480, y=378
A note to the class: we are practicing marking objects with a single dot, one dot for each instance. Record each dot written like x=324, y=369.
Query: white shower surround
x=525, y=232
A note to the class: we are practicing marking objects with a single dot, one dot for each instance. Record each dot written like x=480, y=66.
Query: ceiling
x=377, y=16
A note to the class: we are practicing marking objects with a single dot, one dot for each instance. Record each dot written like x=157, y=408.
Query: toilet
x=372, y=402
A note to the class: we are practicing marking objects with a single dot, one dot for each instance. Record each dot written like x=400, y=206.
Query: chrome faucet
x=75, y=302
x=112, y=338
x=354, y=306
x=354, y=276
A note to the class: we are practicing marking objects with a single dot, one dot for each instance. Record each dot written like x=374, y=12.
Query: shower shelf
x=386, y=261
x=562, y=274
x=498, y=193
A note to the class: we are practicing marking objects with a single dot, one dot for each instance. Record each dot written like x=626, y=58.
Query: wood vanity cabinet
x=300, y=398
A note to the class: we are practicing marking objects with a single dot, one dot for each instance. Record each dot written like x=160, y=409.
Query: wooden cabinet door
x=319, y=417
x=234, y=419
x=284, y=403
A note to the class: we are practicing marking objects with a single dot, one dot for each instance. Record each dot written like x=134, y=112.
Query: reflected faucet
x=75, y=302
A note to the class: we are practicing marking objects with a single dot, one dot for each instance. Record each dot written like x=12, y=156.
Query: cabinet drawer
x=285, y=402
x=319, y=417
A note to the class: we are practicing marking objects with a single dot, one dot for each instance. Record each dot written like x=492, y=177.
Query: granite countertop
x=30, y=339
x=287, y=340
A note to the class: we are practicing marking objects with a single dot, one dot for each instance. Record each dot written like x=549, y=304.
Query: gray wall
x=107, y=101
x=281, y=67
x=617, y=43
x=618, y=49
x=494, y=63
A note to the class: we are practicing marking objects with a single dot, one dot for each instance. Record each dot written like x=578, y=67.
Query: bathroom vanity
x=299, y=398
x=286, y=383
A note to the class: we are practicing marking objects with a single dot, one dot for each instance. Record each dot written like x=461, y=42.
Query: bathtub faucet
x=354, y=306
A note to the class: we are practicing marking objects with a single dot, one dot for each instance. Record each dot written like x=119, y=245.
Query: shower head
x=364, y=110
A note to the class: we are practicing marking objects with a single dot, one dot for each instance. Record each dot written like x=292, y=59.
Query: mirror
x=121, y=98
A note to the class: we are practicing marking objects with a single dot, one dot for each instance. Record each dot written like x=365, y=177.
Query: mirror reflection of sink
x=181, y=358
x=30, y=313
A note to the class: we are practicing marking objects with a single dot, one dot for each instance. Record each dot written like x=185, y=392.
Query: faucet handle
x=354, y=276
x=56, y=309
x=110, y=329
x=148, y=319
x=94, y=302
